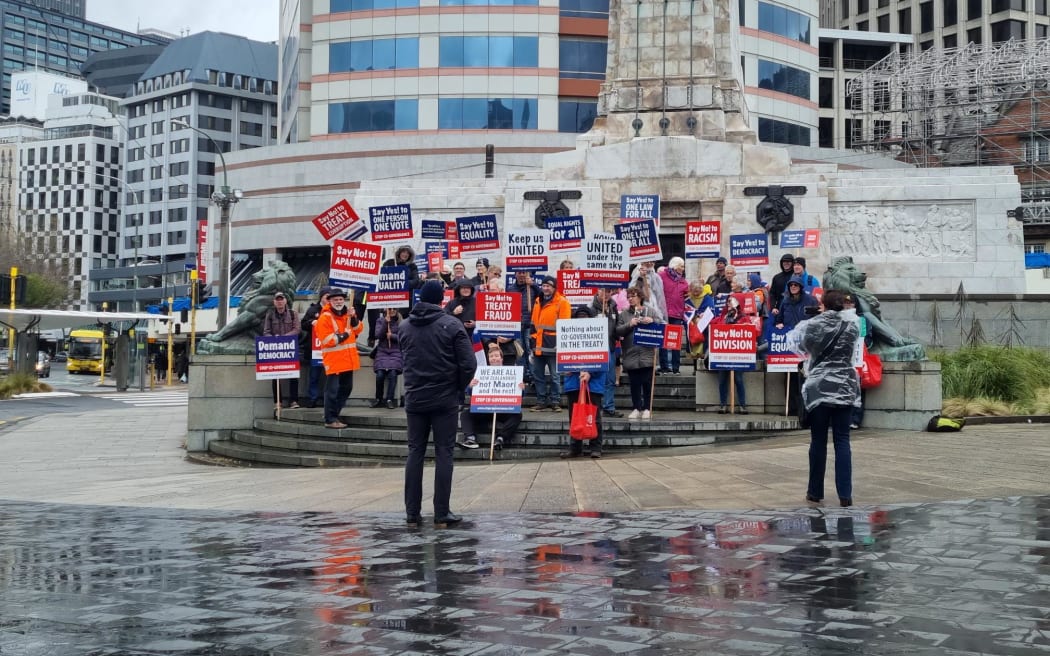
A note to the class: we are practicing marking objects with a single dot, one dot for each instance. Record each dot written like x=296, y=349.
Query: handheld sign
x=749, y=251
x=527, y=250
x=355, y=264
x=391, y=222
x=605, y=263
x=702, y=238
x=446, y=298
x=583, y=344
x=340, y=219
x=498, y=390
x=435, y=262
x=498, y=315
x=649, y=335
x=645, y=246
x=800, y=239
x=567, y=233
x=732, y=346
x=571, y=287
x=779, y=358
x=434, y=229
x=636, y=207
x=673, y=337
x=203, y=252
x=477, y=234
x=392, y=291
x=276, y=357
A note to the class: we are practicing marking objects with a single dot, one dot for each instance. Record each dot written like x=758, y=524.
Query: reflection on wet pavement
x=949, y=578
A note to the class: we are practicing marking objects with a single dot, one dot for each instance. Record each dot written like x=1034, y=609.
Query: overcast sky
x=255, y=19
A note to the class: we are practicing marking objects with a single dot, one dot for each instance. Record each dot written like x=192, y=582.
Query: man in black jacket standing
x=439, y=364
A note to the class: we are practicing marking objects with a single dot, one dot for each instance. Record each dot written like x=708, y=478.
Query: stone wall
x=934, y=320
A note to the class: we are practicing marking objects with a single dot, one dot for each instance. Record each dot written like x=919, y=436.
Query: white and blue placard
x=390, y=222
x=649, y=335
x=478, y=234
x=276, y=357
x=640, y=206
x=433, y=229
x=567, y=233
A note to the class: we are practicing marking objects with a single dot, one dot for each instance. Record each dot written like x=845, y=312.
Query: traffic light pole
x=194, y=284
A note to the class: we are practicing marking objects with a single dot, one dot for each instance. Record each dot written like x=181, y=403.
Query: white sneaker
x=634, y=415
x=646, y=414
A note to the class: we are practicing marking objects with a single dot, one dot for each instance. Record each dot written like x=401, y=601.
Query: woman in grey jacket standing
x=830, y=390
x=638, y=361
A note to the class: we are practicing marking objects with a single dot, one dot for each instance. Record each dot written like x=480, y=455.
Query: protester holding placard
x=638, y=361
x=280, y=321
x=548, y=309
x=596, y=383
x=307, y=324
x=778, y=286
x=675, y=288
x=731, y=315
x=386, y=359
x=337, y=329
x=646, y=279
x=462, y=305
x=472, y=423
x=603, y=305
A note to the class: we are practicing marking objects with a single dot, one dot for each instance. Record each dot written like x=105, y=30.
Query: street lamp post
x=224, y=198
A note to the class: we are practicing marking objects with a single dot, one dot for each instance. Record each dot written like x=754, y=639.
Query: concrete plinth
x=223, y=396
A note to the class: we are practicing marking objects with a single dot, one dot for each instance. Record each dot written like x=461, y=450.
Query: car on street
x=61, y=356
x=43, y=365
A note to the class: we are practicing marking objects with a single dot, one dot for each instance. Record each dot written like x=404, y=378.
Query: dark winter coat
x=414, y=281
x=793, y=309
x=633, y=357
x=468, y=305
x=438, y=359
x=387, y=354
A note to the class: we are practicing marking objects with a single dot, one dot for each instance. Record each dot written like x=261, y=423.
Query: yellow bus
x=85, y=351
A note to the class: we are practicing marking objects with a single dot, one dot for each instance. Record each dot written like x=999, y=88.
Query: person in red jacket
x=337, y=329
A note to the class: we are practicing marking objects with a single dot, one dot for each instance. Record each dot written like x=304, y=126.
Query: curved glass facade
x=783, y=78
x=489, y=51
x=373, y=116
x=773, y=131
x=487, y=113
x=582, y=58
x=366, y=5
x=373, y=55
x=783, y=21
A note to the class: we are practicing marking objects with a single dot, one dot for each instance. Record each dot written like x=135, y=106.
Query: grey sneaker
x=468, y=442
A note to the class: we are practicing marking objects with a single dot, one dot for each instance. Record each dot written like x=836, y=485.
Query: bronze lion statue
x=238, y=336
x=888, y=343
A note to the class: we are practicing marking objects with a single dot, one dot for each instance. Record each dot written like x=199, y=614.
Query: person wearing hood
x=792, y=310
x=830, y=391
x=337, y=329
x=548, y=309
x=602, y=305
x=463, y=306
x=675, y=288
x=809, y=281
x=386, y=359
x=439, y=364
x=778, y=286
x=406, y=257
x=646, y=278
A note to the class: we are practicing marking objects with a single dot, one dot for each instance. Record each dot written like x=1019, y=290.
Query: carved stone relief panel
x=906, y=231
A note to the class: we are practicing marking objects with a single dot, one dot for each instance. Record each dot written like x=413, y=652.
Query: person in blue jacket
x=809, y=281
x=595, y=382
x=792, y=309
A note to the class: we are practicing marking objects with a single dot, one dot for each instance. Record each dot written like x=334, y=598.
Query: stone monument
x=238, y=336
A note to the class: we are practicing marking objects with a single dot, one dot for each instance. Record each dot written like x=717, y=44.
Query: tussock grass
x=20, y=384
x=995, y=373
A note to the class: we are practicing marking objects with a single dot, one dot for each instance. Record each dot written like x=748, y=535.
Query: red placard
x=811, y=239
x=498, y=315
x=673, y=337
x=355, y=264
x=202, y=251
x=703, y=238
x=732, y=346
x=570, y=287
x=337, y=220
x=435, y=263
x=746, y=303
x=454, y=251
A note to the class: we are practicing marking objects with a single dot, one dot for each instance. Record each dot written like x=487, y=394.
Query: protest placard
x=636, y=207
x=203, y=252
x=435, y=262
x=571, y=287
x=477, y=234
x=749, y=251
x=583, y=344
x=392, y=291
x=645, y=246
x=391, y=223
x=605, y=263
x=779, y=358
x=446, y=298
x=527, y=250
x=703, y=238
x=567, y=232
x=340, y=219
x=498, y=315
x=436, y=229
x=732, y=346
x=498, y=390
x=276, y=357
x=355, y=264
x=649, y=335
x=800, y=239
x=673, y=336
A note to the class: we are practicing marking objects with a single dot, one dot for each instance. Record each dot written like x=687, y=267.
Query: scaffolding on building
x=979, y=105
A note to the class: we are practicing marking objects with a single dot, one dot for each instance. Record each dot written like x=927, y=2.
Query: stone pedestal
x=224, y=396
x=910, y=394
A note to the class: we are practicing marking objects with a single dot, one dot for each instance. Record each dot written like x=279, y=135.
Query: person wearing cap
x=337, y=329
x=548, y=309
x=482, y=267
x=778, y=285
x=809, y=281
x=439, y=364
x=315, y=386
x=716, y=278
x=282, y=321
x=676, y=288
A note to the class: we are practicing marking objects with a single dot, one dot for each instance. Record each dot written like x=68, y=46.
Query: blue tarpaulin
x=1036, y=260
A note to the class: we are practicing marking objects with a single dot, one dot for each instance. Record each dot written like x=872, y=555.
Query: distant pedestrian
x=337, y=329
x=282, y=321
x=439, y=364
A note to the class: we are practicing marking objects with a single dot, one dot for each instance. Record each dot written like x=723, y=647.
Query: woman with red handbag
x=585, y=390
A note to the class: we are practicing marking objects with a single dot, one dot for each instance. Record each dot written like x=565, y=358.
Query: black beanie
x=432, y=292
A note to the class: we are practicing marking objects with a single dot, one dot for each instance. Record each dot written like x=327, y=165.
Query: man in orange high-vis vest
x=337, y=329
x=549, y=308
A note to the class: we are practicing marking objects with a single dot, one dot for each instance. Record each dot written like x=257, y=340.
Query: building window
x=772, y=131
x=1008, y=29
x=826, y=92
x=1040, y=7
x=366, y=5
x=156, y=172
x=974, y=36
x=1037, y=150
x=951, y=13
x=178, y=168
x=178, y=191
x=926, y=17
x=884, y=23
x=1007, y=5
x=373, y=116
x=135, y=176
x=904, y=21
x=783, y=78
x=782, y=21
x=583, y=59
x=216, y=123
x=576, y=115
x=826, y=132
x=489, y=51
x=852, y=132
x=372, y=55
x=844, y=7
x=156, y=150
x=250, y=129
x=862, y=26
x=862, y=7
x=487, y=113
x=949, y=41
x=585, y=8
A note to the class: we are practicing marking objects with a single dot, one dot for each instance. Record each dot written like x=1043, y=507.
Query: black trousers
x=480, y=424
x=420, y=425
x=576, y=446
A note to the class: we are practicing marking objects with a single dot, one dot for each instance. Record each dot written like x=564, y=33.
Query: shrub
x=21, y=383
x=996, y=373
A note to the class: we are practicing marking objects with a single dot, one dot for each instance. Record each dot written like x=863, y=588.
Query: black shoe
x=676, y=371
x=846, y=503
x=447, y=520
x=374, y=403
x=413, y=520
x=813, y=500
x=611, y=413
x=723, y=410
x=741, y=410
x=391, y=404
x=570, y=454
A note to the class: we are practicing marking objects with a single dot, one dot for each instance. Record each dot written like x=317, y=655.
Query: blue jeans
x=837, y=417
x=670, y=359
x=723, y=387
x=389, y=377
x=317, y=377
x=540, y=365
x=609, y=398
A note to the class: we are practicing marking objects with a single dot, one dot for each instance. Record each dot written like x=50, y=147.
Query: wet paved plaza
x=944, y=578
